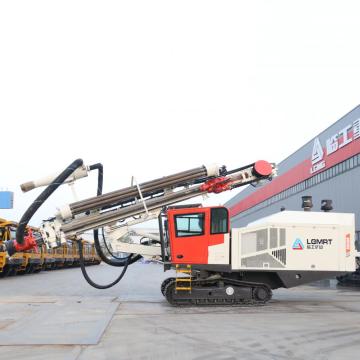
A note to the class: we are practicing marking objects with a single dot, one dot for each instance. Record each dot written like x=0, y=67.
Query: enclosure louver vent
x=280, y=255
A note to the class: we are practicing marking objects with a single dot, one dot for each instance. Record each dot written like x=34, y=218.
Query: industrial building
x=326, y=167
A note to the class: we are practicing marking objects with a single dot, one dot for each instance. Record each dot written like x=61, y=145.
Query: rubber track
x=227, y=301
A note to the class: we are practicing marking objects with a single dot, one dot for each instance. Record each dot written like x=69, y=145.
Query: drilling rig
x=214, y=264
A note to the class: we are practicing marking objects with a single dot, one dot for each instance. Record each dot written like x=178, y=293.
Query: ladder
x=181, y=281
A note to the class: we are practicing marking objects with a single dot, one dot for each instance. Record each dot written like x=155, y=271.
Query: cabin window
x=219, y=221
x=189, y=224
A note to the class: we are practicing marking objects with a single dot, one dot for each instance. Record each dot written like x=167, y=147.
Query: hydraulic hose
x=120, y=262
x=99, y=167
x=116, y=261
x=43, y=197
x=86, y=276
x=107, y=247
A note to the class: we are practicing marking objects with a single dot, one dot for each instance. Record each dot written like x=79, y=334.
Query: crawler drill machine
x=214, y=264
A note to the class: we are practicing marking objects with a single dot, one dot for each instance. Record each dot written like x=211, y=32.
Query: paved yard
x=57, y=315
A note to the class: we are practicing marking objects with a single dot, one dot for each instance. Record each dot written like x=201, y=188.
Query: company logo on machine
x=317, y=244
x=333, y=144
x=298, y=245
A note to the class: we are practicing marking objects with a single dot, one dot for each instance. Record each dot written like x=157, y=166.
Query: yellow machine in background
x=41, y=258
x=3, y=253
x=9, y=265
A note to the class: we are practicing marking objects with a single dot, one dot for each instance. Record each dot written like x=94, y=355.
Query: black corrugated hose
x=43, y=197
x=59, y=180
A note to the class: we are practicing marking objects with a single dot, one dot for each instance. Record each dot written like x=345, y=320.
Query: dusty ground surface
x=57, y=315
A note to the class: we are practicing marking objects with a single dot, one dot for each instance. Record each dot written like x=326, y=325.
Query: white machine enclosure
x=296, y=241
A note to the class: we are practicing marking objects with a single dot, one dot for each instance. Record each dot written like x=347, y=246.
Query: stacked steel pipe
x=153, y=195
x=149, y=188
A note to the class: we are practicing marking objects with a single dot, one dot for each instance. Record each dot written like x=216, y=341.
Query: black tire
x=29, y=269
x=6, y=271
x=13, y=271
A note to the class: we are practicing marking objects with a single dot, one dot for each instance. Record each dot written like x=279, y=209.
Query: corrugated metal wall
x=342, y=189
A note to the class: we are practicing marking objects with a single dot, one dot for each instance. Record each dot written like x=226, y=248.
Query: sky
x=150, y=88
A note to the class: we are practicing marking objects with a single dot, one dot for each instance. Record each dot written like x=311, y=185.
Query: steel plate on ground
x=56, y=321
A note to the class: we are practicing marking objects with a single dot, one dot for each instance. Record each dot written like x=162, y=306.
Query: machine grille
x=280, y=255
x=261, y=261
x=282, y=237
x=254, y=241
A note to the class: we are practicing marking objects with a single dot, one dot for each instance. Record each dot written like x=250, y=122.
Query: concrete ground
x=57, y=315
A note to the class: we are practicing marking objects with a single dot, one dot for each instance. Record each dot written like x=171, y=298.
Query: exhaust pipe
x=326, y=205
x=307, y=203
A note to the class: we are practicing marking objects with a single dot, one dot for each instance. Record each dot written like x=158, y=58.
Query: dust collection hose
x=43, y=197
x=59, y=180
